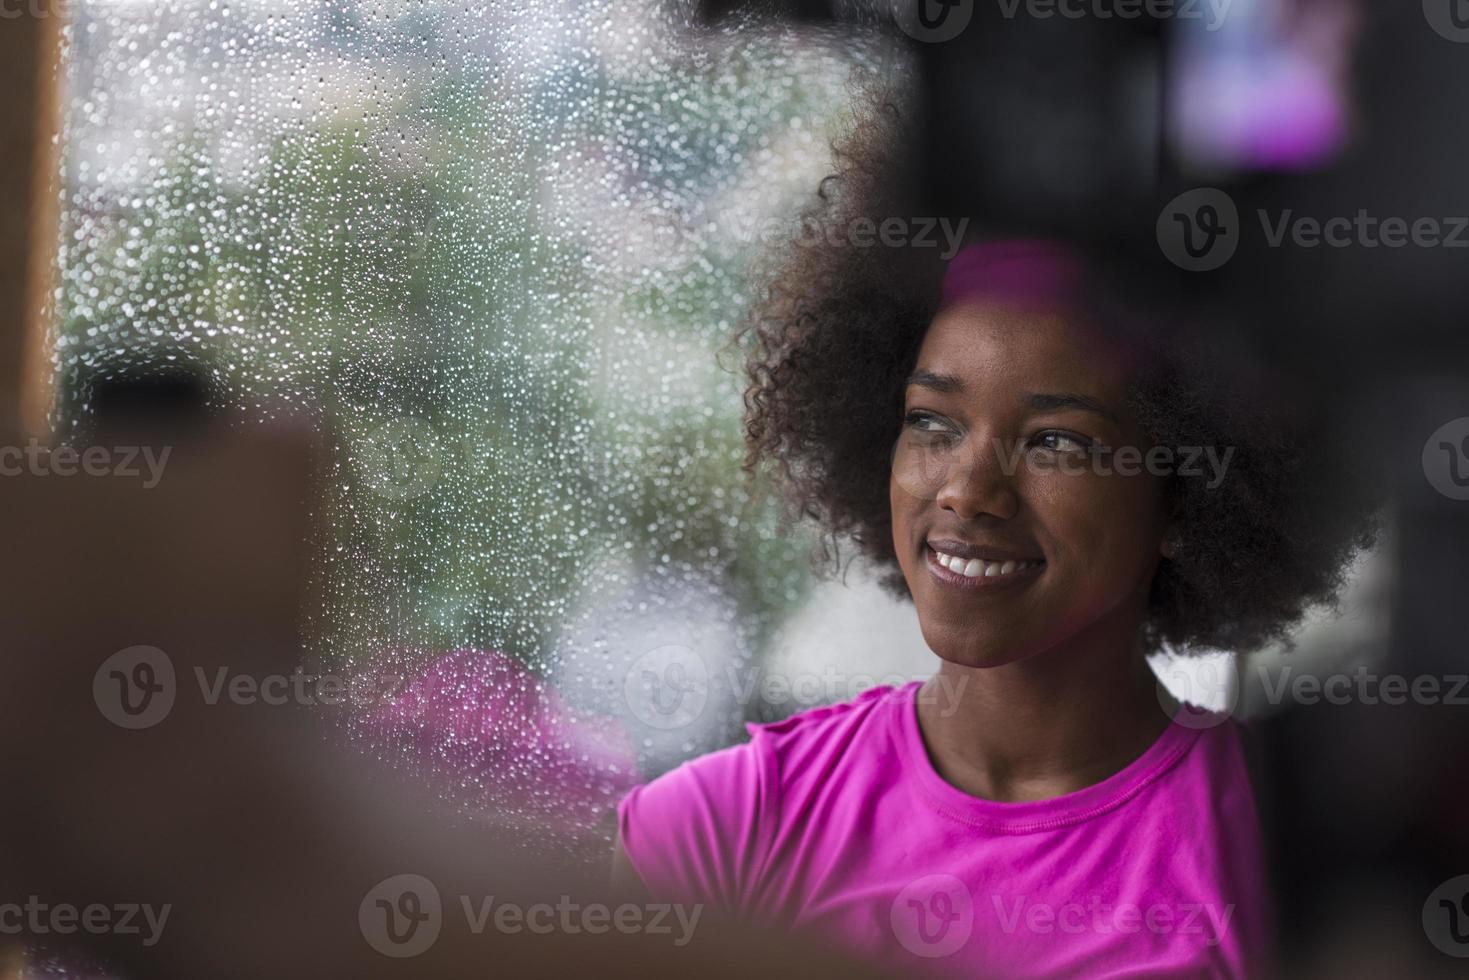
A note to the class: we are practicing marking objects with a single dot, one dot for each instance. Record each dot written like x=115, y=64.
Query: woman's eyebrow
x=1042, y=402
x=944, y=383
x=1050, y=403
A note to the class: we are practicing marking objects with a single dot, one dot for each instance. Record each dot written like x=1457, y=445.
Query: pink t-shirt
x=835, y=822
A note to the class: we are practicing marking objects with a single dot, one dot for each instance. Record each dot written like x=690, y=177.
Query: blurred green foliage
x=404, y=256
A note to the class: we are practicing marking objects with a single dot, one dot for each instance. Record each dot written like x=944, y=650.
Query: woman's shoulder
x=864, y=706
x=818, y=738
x=779, y=750
x=703, y=827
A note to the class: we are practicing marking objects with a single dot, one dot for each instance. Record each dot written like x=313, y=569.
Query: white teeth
x=978, y=568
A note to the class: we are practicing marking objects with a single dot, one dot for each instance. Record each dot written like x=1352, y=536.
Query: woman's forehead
x=996, y=342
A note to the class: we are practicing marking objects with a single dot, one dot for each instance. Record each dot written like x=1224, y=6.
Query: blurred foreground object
x=138, y=769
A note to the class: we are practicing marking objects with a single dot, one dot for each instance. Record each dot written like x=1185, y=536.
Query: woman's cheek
x=901, y=508
x=1097, y=519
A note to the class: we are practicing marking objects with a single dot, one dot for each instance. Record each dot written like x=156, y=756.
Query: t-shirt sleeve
x=697, y=833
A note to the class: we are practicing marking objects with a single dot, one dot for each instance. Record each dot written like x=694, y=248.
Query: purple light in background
x=1268, y=90
x=1287, y=118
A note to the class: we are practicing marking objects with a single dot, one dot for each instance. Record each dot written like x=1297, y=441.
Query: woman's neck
x=1044, y=726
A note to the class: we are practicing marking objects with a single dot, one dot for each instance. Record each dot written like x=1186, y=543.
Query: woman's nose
x=982, y=481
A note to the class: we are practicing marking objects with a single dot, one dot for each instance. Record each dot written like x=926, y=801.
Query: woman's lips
x=976, y=574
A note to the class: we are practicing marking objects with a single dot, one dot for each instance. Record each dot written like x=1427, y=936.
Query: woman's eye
x=927, y=423
x=1063, y=442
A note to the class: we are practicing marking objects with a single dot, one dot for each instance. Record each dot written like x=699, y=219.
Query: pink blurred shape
x=497, y=737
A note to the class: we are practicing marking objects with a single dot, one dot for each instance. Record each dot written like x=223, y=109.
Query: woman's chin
x=970, y=651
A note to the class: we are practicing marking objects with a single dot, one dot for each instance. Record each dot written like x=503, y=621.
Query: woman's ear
x=1171, y=543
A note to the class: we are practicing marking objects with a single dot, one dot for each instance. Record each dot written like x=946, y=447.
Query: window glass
x=492, y=252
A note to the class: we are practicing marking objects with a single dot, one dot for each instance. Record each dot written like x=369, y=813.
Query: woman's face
x=1012, y=522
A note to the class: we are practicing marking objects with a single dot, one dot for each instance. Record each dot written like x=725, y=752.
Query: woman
x=1011, y=447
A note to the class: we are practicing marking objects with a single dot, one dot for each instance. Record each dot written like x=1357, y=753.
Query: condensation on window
x=493, y=253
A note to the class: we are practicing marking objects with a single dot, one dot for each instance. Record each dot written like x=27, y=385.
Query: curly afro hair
x=835, y=331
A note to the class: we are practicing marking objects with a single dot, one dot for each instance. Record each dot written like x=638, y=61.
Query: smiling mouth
x=976, y=572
